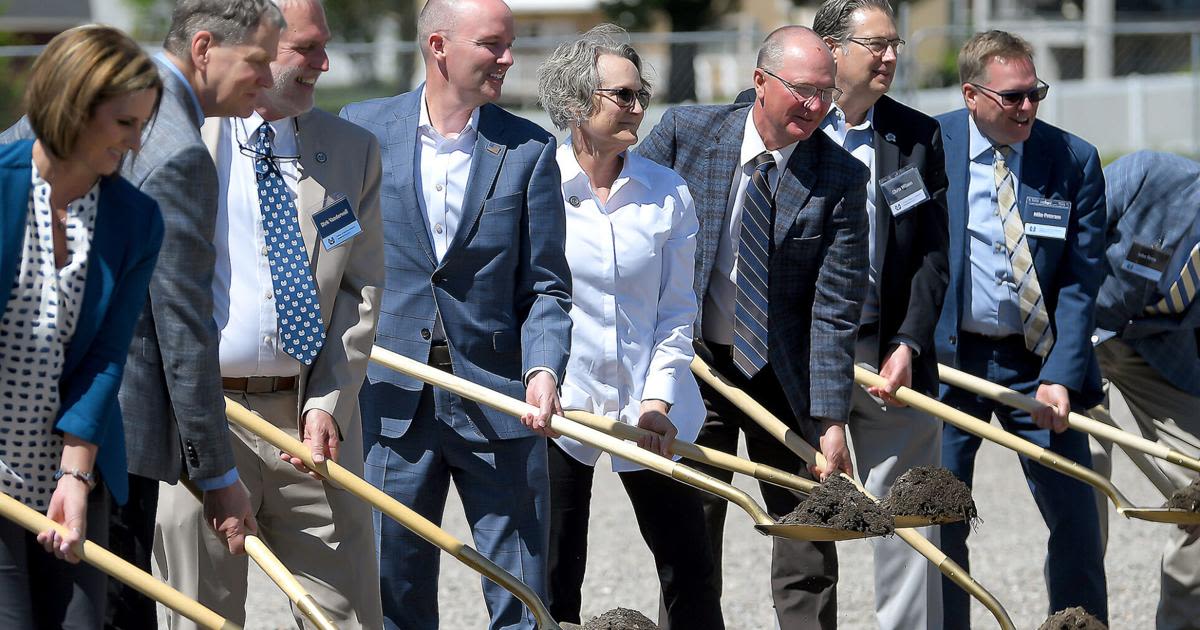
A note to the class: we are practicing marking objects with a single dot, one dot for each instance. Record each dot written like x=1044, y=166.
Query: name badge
x=1047, y=218
x=1146, y=261
x=336, y=223
x=903, y=190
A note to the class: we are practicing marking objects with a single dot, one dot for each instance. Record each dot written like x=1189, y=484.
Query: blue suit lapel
x=401, y=167
x=792, y=190
x=720, y=160
x=14, y=206
x=957, y=144
x=485, y=165
x=1036, y=178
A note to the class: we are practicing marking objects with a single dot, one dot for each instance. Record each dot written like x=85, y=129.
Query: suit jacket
x=171, y=394
x=337, y=158
x=1054, y=165
x=125, y=244
x=818, y=263
x=1154, y=199
x=503, y=287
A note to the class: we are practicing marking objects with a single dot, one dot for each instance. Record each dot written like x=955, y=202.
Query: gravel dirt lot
x=1007, y=552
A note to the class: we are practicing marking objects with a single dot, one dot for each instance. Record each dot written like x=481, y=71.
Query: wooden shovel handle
x=109, y=563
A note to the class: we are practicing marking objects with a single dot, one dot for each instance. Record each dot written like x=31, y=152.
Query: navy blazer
x=503, y=288
x=125, y=243
x=1054, y=165
x=1153, y=198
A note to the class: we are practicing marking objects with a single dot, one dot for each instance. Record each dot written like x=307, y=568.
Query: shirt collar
x=570, y=169
x=981, y=145
x=285, y=141
x=753, y=145
x=424, y=124
x=837, y=118
x=197, y=110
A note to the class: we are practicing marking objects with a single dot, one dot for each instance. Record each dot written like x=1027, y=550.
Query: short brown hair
x=81, y=68
x=975, y=55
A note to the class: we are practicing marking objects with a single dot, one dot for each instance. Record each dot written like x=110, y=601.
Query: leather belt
x=260, y=384
x=439, y=356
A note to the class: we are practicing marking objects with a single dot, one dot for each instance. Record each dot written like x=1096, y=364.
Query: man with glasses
x=906, y=210
x=781, y=274
x=477, y=284
x=1027, y=213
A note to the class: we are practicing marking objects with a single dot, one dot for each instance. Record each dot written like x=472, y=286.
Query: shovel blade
x=812, y=533
x=1174, y=516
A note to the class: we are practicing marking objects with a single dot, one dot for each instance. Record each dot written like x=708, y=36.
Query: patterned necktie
x=1035, y=321
x=1183, y=290
x=754, y=245
x=296, y=305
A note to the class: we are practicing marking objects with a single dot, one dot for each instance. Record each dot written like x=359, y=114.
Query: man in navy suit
x=477, y=284
x=1026, y=205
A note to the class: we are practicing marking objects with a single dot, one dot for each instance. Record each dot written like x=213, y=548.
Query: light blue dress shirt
x=197, y=110
x=991, y=294
x=859, y=141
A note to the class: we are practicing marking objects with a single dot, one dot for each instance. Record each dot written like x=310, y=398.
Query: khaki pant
x=322, y=534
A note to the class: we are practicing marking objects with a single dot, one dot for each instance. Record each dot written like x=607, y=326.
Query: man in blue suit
x=1026, y=204
x=1148, y=330
x=477, y=284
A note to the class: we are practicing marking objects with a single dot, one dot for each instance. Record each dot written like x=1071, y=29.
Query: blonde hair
x=81, y=68
x=975, y=55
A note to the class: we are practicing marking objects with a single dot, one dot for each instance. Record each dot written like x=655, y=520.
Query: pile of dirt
x=1186, y=498
x=837, y=503
x=1072, y=619
x=621, y=619
x=931, y=492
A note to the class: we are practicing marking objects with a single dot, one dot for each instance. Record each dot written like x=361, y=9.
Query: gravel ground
x=1007, y=551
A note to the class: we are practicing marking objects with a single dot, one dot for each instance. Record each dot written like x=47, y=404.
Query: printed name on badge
x=903, y=189
x=1146, y=261
x=336, y=223
x=1047, y=218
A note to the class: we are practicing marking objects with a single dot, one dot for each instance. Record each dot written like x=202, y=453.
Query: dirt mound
x=932, y=492
x=621, y=619
x=837, y=503
x=1186, y=498
x=1072, y=619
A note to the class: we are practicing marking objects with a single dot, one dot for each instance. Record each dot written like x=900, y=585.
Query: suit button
x=953, y=339
x=425, y=334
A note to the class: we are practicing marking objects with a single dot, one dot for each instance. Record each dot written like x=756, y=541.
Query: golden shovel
x=806, y=452
x=690, y=476
x=279, y=574
x=335, y=473
x=1032, y=451
x=117, y=567
x=1077, y=421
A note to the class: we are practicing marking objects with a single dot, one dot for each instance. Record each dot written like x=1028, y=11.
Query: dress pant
x=1074, y=566
x=320, y=532
x=131, y=536
x=40, y=592
x=671, y=518
x=803, y=574
x=1167, y=415
x=886, y=442
x=505, y=491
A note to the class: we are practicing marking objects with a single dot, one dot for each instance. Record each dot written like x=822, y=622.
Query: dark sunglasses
x=1013, y=98
x=624, y=97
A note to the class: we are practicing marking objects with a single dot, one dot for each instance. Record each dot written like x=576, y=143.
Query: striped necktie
x=1183, y=290
x=754, y=245
x=1035, y=321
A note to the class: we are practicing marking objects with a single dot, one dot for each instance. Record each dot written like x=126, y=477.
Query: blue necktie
x=754, y=245
x=297, y=308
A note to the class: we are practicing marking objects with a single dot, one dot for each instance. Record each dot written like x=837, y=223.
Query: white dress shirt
x=632, y=262
x=444, y=167
x=721, y=301
x=244, y=301
x=859, y=141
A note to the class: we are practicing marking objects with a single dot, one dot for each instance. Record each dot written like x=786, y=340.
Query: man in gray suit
x=216, y=60
x=781, y=274
x=477, y=284
x=1148, y=332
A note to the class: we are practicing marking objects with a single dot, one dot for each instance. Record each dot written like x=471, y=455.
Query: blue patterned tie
x=301, y=332
x=754, y=245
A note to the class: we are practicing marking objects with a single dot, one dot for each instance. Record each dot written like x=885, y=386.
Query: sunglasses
x=1013, y=98
x=624, y=97
x=806, y=92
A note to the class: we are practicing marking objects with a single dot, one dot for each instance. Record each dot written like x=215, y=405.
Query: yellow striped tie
x=1183, y=290
x=1035, y=321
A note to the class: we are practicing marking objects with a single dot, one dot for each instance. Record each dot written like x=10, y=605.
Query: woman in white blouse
x=631, y=228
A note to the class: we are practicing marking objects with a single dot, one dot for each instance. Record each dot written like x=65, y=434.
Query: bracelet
x=88, y=478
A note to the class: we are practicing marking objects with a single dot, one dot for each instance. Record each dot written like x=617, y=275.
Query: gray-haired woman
x=631, y=228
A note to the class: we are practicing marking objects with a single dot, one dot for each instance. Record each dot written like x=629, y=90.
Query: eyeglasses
x=624, y=97
x=249, y=148
x=806, y=92
x=877, y=45
x=1014, y=98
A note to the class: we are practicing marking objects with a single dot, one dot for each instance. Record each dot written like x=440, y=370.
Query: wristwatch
x=88, y=478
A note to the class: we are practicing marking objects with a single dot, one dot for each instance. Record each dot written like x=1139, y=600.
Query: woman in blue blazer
x=77, y=248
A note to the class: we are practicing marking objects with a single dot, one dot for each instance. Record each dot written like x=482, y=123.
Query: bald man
x=477, y=284
x=781, y=275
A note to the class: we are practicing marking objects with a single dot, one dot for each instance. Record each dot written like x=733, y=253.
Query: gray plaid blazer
x=818, y=263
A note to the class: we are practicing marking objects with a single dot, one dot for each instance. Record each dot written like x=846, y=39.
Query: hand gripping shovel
x=806, y=452
x=109, y=563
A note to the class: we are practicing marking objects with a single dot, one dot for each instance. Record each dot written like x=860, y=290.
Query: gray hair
x=568, y=78
x=835, y=18
x=774, y=47
x=229, y=21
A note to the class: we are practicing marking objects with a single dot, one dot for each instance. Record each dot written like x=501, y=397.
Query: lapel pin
x=321, y=157
x=494, y=149
x=573, y=200
x=890, y=137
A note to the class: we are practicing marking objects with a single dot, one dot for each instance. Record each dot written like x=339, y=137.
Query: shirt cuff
x=532, y=371
x=908, y=341
x=216, y=483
